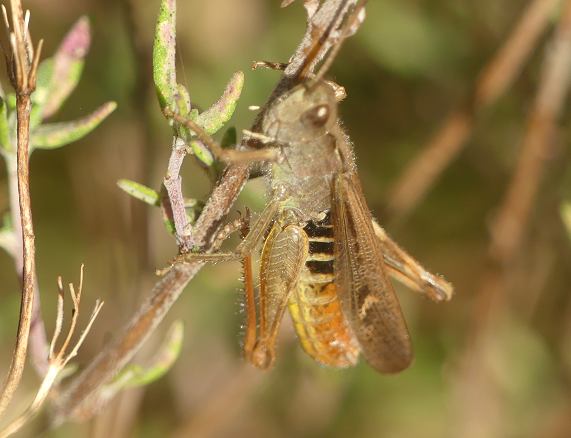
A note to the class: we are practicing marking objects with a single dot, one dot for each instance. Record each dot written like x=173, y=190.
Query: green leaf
x=138, y=375
x=184, y=133
x=55, y=135
x=215, y=117
x=218, y=114
x=164, y=68
x=183, y=103
x=66, y=67
x=139, y=191
x=202, y=153
x=43, y=84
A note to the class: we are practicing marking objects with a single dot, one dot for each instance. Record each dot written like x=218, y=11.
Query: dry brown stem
x=22, y=64
x=419, y=176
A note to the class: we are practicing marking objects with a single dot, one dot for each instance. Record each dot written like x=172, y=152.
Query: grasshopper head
x=304, y=113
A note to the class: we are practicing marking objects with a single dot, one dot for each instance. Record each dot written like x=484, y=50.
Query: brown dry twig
x=57, y=360
x=83, y=397
x=419, y=176
x=22, y=61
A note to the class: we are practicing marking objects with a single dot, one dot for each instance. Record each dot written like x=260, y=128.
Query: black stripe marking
x=315, y=230
x=320, y=267
x=321, y=247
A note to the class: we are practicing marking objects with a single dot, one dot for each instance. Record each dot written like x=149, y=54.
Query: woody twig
x=22, y=61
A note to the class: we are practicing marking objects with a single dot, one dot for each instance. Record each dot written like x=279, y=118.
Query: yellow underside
x=321, y=325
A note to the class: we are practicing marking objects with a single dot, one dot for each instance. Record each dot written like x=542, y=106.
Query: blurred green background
x=411, y=63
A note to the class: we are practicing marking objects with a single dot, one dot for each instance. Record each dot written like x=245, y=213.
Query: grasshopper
x=322, y=255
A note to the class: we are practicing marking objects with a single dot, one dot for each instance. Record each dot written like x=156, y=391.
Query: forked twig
x=419, y=176
x=58, y=358
x=22, y=62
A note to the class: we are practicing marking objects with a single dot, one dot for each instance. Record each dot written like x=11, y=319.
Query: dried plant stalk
x=22, y=62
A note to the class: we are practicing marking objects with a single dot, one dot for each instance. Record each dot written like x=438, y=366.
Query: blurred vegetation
x=410, y=64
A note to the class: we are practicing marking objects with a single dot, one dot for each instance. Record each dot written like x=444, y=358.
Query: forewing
x=368, y=299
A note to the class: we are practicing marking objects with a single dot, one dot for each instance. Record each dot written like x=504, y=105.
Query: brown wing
x=367, y=296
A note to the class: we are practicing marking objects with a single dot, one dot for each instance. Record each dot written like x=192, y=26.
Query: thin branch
x=175, y=207
x=82, y=398
x=419, y=176
x=22, y=75
x=38, y=343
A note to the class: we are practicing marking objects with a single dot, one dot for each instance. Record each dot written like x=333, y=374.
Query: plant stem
x=22, y=68
x=23, y=106
x=38, y=341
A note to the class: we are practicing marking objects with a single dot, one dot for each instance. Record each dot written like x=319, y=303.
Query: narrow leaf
x=67, y=66
x=164, y=69
x=201, y=152
x=139, y=191
x=43, y=82
x=183, y=101
x=55, y=135
x=218, y=114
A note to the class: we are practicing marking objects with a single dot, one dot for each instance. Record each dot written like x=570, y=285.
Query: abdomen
x=315, y=307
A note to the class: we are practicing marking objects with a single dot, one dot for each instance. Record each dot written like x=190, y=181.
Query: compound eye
x=316, y=116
